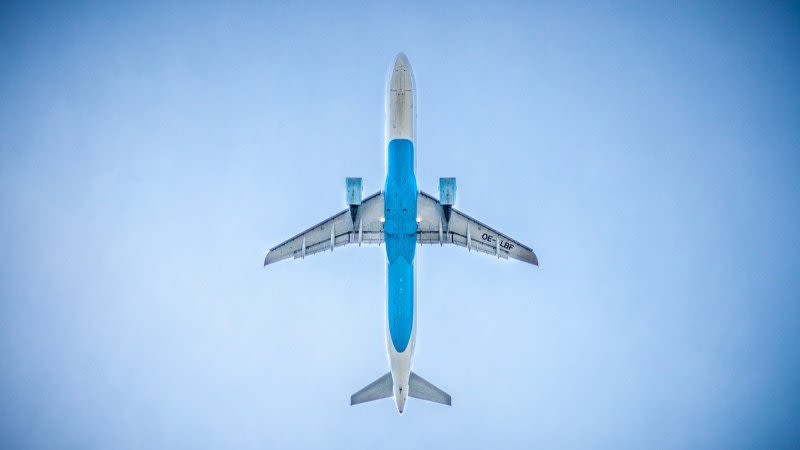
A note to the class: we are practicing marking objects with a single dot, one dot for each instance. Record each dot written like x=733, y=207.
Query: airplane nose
x=401, y=61
x=400, y=101
x=402, y=75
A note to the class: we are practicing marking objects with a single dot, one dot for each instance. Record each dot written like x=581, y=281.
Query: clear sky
x=151, y=154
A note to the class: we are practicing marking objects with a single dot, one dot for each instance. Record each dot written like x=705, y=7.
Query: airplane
x=401, y=216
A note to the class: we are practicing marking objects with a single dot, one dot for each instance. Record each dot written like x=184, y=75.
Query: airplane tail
x=378, y=389
x=418, y=387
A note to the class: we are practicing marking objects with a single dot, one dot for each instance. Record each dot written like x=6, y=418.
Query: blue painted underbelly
x=400, y=232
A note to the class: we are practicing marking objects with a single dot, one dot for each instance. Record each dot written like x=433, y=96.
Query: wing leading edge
x=464, y=231
x=340, y=229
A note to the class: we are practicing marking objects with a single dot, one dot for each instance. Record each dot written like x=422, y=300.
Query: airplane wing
x=464, y=231
x=341, y=229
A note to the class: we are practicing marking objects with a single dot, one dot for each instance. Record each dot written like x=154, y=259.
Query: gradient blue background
x=149, y=155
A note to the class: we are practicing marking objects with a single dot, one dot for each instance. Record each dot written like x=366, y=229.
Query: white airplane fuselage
x=400, y=226
x=400, y=217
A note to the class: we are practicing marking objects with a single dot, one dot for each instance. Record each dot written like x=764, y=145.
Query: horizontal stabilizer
x=419, y=388
x=378, y=389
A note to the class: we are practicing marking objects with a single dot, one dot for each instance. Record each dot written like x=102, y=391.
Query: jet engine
x=447, y=195
x=353, y=191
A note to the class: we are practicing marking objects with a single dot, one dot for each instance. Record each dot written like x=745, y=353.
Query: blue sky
x=149, y=155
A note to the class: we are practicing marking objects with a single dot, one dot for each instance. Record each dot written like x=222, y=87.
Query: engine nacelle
x=353, y=191
x=447, y=196
x=447, y=191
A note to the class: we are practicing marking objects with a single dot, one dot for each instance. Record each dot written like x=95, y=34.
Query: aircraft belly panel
x=400, y=229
